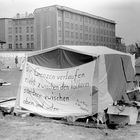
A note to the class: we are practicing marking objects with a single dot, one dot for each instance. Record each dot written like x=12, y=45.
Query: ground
x=40, y=128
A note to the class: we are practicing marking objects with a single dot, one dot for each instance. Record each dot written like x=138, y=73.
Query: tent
x=137, y=67
x=73, y=80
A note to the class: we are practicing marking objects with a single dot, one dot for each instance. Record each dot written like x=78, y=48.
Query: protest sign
x=57, y=92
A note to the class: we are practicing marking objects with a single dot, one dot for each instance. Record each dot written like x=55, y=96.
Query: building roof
x=88, y=50
x=75, y=11
x=4, y=18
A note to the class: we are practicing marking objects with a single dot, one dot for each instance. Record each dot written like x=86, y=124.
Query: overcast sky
x=126, y=13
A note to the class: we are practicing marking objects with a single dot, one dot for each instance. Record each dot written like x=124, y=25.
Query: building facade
x=17, y=33
x=119, y=45
x=4, y=24
x=56, y=25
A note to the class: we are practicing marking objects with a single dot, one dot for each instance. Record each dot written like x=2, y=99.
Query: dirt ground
x=39, y=128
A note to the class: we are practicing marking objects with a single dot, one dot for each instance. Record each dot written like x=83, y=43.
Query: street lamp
x=45, y=31
x=48, y=36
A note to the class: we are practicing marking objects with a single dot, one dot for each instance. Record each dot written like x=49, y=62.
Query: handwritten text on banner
x=57, y=92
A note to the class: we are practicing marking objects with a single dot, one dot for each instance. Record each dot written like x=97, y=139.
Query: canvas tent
x=137, y=67
x=73, y=80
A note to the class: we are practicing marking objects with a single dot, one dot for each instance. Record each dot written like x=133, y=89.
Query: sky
x=124, y=12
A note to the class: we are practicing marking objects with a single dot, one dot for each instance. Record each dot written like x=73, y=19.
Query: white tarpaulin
x=57, y=92
x=73, y=80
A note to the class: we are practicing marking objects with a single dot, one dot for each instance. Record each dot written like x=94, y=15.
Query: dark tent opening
x=60, y=58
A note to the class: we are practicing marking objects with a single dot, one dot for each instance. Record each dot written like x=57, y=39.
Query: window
x=32, y=37
x=59, y=13
x=10, y=46
x=97, y=31
x=86, y=19
x=86, y=36
x=80, y=35
x=16, y=46
x=101, y=38
x=71, y=15
x=97, y=22
x=60, y=42
x=32, y=45
x=59, y=23
x=60, y=33
x=10, y=30
x=67, y=14
x=94, y=37
x=67, y=25
x=67, y=42
x=9, y=22
x=20, y=37
x=20, y=29
x=67, y=34
x=16, y=30
x=32, y=21
x=89, y=20
x=32, y=29
x=16, y=22
x=77, y=43
x=81, y=27
x=86, y=28
x=20, y=45
x=89, y=29
x=27, y=37
x=76, y=17
x=28, y=45
x=81, y=18
x=27, y=29
x=93, y=30
x=97, y=38
x=113, y=33
x=72, y=42
x=27, y=21
x=71, y=25
x=89, y=37
x=93, y=21
x=10, y=38
x=72, y=35
x=76, y=35
x=16, y=38
x=76, y=26
x=19, y=22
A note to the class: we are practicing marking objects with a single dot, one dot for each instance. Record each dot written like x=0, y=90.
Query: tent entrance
x=60, y=59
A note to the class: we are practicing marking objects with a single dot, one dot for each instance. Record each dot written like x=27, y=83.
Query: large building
x=62, y=25
x=119, y=45
x=56, y=25
x=17, y=33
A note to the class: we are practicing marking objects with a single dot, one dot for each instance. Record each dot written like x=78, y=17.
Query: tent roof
x=88, y=50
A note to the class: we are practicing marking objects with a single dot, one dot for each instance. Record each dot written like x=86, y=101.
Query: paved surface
x=13, y=77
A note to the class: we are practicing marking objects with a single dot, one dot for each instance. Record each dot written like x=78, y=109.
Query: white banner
x=57, y=92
